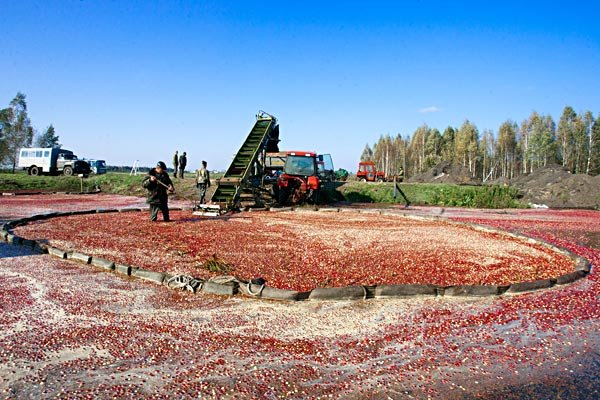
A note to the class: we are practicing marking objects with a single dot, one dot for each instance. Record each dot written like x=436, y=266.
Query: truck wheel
x=33, y=170
x=68, y=171
x=363, y=180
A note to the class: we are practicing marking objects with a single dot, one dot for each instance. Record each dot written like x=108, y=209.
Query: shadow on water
x=8, y=251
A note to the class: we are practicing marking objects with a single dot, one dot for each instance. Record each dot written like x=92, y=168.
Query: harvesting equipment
x=299, y=181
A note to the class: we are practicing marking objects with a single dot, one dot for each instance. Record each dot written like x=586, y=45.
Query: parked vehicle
x=97, y=167
x=53, y=161
x=299, y=181
x=368, y=173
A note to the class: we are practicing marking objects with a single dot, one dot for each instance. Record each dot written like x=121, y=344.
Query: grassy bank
x=112, y=182
x=433, y=194
x=418, y=194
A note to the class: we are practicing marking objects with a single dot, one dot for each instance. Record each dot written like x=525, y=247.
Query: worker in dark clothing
x=182, y=164
x=202, y=181
x=158, y=184
x=175, y=164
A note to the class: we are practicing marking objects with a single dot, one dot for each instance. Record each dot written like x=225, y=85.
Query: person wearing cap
x=158, y=184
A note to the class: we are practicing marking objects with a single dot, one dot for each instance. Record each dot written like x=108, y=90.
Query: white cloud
x=431, y=109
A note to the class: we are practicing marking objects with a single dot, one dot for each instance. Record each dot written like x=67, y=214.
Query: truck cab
x=97, y=167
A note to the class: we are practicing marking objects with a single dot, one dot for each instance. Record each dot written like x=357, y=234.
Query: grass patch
x=216, y=264
x=113, y=182
x=433, y=194
x=362, y=192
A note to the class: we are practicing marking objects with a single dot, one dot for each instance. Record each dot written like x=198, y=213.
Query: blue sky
x=127, y=81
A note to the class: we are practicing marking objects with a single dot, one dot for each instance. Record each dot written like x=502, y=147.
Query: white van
x=39, y=160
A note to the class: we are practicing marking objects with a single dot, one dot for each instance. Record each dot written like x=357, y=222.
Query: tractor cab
x=368, y=173
x=299, y=181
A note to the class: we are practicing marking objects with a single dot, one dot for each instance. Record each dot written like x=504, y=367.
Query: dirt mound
x=446, y=172
x=555, y=187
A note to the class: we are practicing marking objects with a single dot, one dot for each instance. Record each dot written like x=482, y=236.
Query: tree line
x=16, y=131
x=513, y=150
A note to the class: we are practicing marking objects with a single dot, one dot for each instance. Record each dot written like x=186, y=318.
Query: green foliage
x=48, y=138
x=434, y=194
x=17, y=130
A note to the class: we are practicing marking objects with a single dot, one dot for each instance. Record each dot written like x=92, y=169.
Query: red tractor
x=299, y=181
x=368, y=173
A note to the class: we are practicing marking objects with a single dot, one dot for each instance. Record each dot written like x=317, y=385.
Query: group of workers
x=159, y=185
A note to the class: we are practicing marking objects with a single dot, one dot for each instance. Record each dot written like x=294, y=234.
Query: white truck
x=52, y=161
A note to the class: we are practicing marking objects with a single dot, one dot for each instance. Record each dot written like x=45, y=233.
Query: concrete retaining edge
x=103, y=263
x=474, y=290
x=53, y=251
x=220, y=289
x=122, y=269
x=84, y=258
x=338, y=293
x=384, y=291
x=531, y=285
x=582, y=268
x=153, y=276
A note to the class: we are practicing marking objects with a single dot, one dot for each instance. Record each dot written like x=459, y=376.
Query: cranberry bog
x=71, y=330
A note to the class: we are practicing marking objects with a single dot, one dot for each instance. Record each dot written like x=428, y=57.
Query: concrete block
x=338, y=293
x=84, y=258
x=570, y=277
x=103, y=263
x=532, y=285
x=265, y=292
x=53, y=251
x=217, y=288
x=281, y=294
x=153, y=276
x=123, y=269
x=473, y=290
x=382, y=291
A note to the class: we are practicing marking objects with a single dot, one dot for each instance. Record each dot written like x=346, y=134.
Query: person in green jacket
x=202, y=181
x=158, y=184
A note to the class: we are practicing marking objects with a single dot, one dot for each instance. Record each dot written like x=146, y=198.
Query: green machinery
x=246, y=164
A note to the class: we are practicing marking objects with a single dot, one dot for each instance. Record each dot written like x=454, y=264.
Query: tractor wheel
x=282, y=197
x=363, y=180
x=35, y=171
x=68, y=171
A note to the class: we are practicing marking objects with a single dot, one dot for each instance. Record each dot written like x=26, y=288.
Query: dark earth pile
x=551, y=186
x=556, y=187
x=446, y=172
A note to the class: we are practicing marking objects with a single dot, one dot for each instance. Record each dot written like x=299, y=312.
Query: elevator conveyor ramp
x=236, y=177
